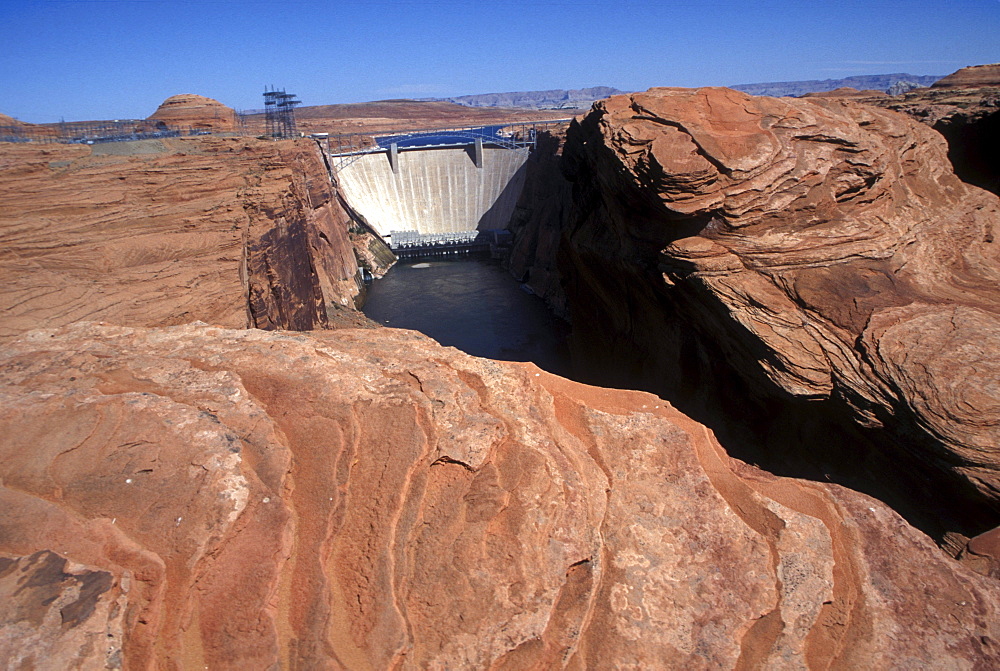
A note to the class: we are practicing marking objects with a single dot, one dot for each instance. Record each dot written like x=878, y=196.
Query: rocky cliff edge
x=822, y=249
x=191, y=497
x=231, y=231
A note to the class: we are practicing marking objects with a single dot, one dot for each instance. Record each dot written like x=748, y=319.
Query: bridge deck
x=433, y=184
x=344, y=149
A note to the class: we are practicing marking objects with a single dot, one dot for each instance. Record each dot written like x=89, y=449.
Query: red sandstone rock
x=972, y=76
x=230, y=231
x=965, y=108
x=193, y=497
x=192, y=111
x=10, y=121
x=967, y=113
x=943, y=106
x=982, y=553
x=824, y=248
x=539, y=220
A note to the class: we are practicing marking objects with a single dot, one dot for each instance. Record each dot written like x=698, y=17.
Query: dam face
x=434, y=191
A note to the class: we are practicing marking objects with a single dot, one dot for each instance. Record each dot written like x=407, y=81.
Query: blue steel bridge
x=441, y=190
x=344, y=149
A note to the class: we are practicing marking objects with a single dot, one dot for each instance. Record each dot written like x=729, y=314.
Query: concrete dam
x=435, y=185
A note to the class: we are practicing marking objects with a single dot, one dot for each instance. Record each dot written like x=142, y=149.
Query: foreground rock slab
x=191, y=497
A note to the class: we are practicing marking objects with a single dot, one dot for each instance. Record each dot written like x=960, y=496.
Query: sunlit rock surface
x=188, y=110
x=971, y=76
x=965, y=108
x=231, y=231
x=191, y=497
x=819, y=249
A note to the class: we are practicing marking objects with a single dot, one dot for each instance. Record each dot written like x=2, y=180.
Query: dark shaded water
x=471, y=303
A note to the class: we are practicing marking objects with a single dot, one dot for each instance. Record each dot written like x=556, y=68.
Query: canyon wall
x=229, y=231
x=191, y=497
x=539, y=219
x=807, y=275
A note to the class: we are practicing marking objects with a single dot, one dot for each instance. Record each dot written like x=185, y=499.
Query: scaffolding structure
x=279, y=110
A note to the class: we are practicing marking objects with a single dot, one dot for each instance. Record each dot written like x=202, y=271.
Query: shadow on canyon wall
x=974, y=149
x=630, y=330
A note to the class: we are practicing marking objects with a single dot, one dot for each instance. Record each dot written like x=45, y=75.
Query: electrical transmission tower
x=279, y=109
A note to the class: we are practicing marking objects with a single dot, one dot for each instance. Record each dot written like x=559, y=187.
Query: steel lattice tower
x=279, y=109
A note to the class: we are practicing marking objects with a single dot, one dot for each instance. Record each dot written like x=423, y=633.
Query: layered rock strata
x=807, y=263
x=187, y=110
x=6, y=120
x=969, y=119
x=191, y=497
x=230, y=231
x=971, y=77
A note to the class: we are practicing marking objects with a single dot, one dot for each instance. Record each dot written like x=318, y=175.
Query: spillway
x=439, y=190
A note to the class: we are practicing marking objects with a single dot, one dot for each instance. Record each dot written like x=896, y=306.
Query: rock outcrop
x=814, y=263
x=539, y=220
x=965, y=108
x=971, y=77
x=187, y=110
x=10, y=121
x=230, y=231
x=191, y=497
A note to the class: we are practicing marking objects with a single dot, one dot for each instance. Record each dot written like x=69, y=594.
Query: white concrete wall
x=435, y=190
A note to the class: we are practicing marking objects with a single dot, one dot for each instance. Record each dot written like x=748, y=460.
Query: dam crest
x=441, y=187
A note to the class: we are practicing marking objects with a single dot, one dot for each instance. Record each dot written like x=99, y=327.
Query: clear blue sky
x=104, y=59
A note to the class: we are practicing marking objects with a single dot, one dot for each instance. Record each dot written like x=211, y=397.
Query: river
x=471, y=303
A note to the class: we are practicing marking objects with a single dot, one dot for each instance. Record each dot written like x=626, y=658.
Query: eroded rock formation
x=971, y=77
x=231, y=231
x=814, y=263
x=965, y=108
x=187, y=110
x=10, y=121
x=190, y=497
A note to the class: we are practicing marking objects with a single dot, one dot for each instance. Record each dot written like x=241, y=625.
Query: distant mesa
x=883, y=83
x=972, y=76
x=193, y=111
x=552, y=99
x=844, y=92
